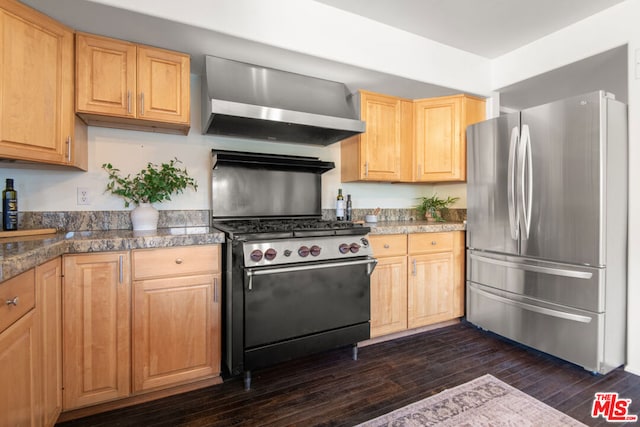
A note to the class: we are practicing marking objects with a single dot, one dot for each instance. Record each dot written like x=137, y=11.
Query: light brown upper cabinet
x=440, y=136
x=37, y=120
x=125, y=85
x=375, y=155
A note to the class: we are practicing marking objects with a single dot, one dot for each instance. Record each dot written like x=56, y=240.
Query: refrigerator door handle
x=525, y=183
x=534, y=308
x=535, y=268
x=511, y=186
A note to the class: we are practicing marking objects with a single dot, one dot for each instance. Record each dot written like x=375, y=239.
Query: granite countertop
x=20, y=254
x=420, y=226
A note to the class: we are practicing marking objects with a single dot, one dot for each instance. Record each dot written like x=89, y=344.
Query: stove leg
x=247, y=380
x=354, y=352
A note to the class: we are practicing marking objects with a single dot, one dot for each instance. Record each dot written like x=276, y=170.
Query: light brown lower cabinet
x=49, y=303
x=124, y=337
x=20, y=353
x=30, y=347
x=97, y=325
x=176, y=316
x=419, y=280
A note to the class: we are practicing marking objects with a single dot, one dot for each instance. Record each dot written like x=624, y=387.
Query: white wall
x=613, y=27
x=55, y=190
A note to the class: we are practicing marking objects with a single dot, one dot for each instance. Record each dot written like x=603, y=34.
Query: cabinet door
x=176, y=334
x=20, y=373
x=36, y=85
x=96, y=322
x=163, y=85
x=49, y=303
x=389, y=296
x=20, y=353
x=430, y=288
x=380, y=144
x=106, y=76
x=438, y=144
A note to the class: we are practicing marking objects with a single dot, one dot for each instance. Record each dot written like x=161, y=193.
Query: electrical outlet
x=83, y=196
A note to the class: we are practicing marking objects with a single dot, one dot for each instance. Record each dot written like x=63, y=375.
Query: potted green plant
x=152, y=184
x=430, y=207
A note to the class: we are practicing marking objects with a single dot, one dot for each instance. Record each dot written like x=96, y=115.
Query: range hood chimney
x=249, y=101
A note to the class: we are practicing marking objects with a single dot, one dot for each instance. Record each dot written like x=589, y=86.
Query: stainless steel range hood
x=249, y=101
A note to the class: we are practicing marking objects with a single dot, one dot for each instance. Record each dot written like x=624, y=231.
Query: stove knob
x=303, y=251
x=343, y=248
x=315, y=250
x=270, y=254
x=365, y=242
x=287, y=252
x=354, y=248
x=256, y=255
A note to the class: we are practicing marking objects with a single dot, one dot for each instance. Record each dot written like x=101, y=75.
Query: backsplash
x=108, y=220
x=121, y=220
x=410, y=214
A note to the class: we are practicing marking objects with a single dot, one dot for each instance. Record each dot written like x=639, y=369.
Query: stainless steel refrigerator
x=547, y=228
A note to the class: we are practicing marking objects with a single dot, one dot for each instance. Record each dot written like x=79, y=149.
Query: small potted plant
x=430, y=207
x=151, y=185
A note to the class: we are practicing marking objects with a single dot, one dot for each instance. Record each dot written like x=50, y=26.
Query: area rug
x=483, y=402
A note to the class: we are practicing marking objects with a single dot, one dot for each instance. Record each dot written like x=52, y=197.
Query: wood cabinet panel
x=20, y=373
x=163, y=262
x=430, y=242
x=389, y=296
x=375, y=154
x=384, y=245
x=37, y=120
x=163, y=79
x=21, y=291
x=176, y=330
x=430, y=289
x=440, y=138
x=49, y=303
x=106, y=76
x=96, y=319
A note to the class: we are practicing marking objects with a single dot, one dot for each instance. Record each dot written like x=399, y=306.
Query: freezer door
x=574, y=286
x=571, y=334
x=560, y=181
x=492, y=217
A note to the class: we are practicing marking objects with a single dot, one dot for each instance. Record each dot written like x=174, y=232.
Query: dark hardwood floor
x=331, y=389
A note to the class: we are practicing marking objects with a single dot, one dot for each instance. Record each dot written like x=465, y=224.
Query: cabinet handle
x=121, y=268
x=366, y=169
x=142, y=104
x=215, y=290
x=433, y=242
x=69, y=147
x=179, y=261
x=386, y=246
x=129, y=101
x=13, y=301
x=414, y=272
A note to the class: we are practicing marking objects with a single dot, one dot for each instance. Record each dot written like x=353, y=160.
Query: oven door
x=288, y=302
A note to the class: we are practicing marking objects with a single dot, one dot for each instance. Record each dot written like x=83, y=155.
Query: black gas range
x=294, y=284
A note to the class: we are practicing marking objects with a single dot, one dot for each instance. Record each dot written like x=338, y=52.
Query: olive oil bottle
x=9, y=207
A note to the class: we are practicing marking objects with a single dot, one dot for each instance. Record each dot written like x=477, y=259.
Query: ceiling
x=485, y=27
x=488, y=28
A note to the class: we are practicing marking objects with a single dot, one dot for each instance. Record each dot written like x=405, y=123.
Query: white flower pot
x=144, y=217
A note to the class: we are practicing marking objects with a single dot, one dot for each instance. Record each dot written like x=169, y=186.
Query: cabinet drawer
x=430, y=242
x=388, y=244
x=17, y=297
x=150, y=263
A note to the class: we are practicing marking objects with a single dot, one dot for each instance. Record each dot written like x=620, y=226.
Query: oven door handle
x=370, y=262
